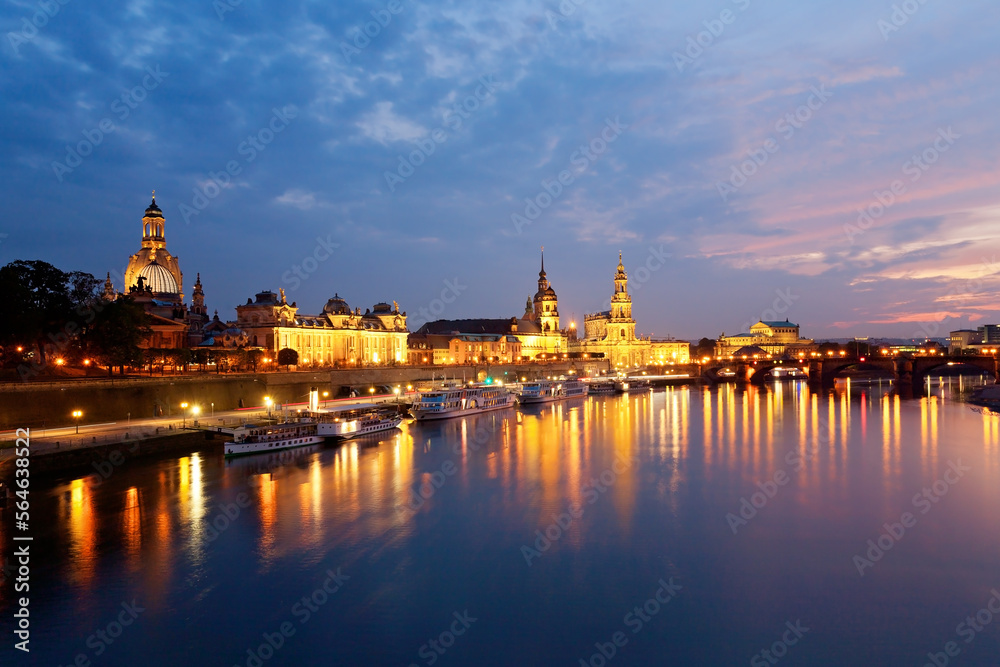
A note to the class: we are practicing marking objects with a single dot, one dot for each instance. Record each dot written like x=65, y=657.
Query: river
x=684, y=526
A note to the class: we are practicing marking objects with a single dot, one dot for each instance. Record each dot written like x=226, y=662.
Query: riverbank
x=51, y=404
x=102, y=460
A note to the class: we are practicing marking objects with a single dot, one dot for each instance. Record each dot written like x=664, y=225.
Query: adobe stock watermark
x=581, y=159
x=965, y=290
x=635, y=620
x=449, y=294
x=432, y=651
x=223, y=7
x=923, y=501
x=900, y=16
x=696, y=44
x=915, y=168
x=303, y=611
x=364, y=34
x=786, y=126
x=779, y=649
x=47, y=10
x=249, y=149
x=101, y=639
x=299, y=273
x=968, y=629
x=437, y=479
x=122, y=107
x=426, y=146
x=781, y=304
x=566, y=9
x=768, y=489
x=591, y=491
x=638, y=277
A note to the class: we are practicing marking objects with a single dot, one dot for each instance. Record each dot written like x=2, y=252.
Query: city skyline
x=303, y=127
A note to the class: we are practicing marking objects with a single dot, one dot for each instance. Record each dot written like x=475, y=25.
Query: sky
x=833, y=163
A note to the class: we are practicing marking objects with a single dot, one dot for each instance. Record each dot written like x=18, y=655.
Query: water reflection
x=511, y=472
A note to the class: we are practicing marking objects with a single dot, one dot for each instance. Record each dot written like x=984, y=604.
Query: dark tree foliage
x=51, y=307
x=115, y=335
x=288, y=357
x=704, y=348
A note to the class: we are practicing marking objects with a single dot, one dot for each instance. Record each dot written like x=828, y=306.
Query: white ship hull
x=460, y=402
x=343, y=430
x=448, y=414
x=241, y=448
x=551, y=390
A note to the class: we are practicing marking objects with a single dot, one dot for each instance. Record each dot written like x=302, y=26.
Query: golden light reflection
x=267, y=492
x=132, y=527
x=82, y=534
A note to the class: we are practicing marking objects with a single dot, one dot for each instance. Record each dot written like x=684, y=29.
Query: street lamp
x=184, y=407
x=76, y=415
x=195, y=411
x=267, y=402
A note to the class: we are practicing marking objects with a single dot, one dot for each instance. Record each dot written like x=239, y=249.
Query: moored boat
x=632, y=385
x=546, y=391
x=601, y=387
x=353, y=423
x=461, y=401
x=251, y=439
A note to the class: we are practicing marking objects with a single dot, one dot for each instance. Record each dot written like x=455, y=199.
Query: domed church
x=153, y=268
x=154, y=280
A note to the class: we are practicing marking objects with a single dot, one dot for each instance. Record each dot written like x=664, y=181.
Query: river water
x=686, y=526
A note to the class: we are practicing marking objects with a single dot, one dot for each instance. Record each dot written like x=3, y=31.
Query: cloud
x=385, y=126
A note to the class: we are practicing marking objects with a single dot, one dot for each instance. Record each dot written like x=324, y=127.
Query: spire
x=109, y=289
x=541, y=274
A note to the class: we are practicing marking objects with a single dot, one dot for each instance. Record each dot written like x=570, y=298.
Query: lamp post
x=267, y=401
x=76, y=415
x=213, y=410
x=184, y=407
x=195, y=411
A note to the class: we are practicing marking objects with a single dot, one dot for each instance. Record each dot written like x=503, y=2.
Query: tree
x=288, y=357
x=118, y=330
x=704, y=348
x=249, y=358
x=52, y=306
x=826, y=347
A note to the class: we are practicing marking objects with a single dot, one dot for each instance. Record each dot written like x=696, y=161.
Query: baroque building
x=535, y=335
x=337, y=336
x=774, y=338
x=153, y=279
x=611, y=334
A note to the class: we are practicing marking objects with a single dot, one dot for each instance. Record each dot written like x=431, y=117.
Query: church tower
x=545, y=303
x=153, y=268
x=621, y=326
x=198, y=299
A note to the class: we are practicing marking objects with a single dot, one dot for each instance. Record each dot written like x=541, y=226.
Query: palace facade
x=337, y=336
x=535, y=335
x=611, y=334
x=774, y=338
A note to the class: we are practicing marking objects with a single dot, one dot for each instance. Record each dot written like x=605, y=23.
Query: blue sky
x=725, y=147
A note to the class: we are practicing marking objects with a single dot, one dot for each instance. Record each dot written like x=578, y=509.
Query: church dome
x=153, y=211
x=336, y=306
x=158, y=279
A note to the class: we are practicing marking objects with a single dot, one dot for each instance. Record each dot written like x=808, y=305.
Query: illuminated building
x=153, y=279
x=963, y=339
x=536, y=333
x=611, y=334
x=774, y=338
x=337, y=336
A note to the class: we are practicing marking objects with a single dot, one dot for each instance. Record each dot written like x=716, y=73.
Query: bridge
x=905, y=371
